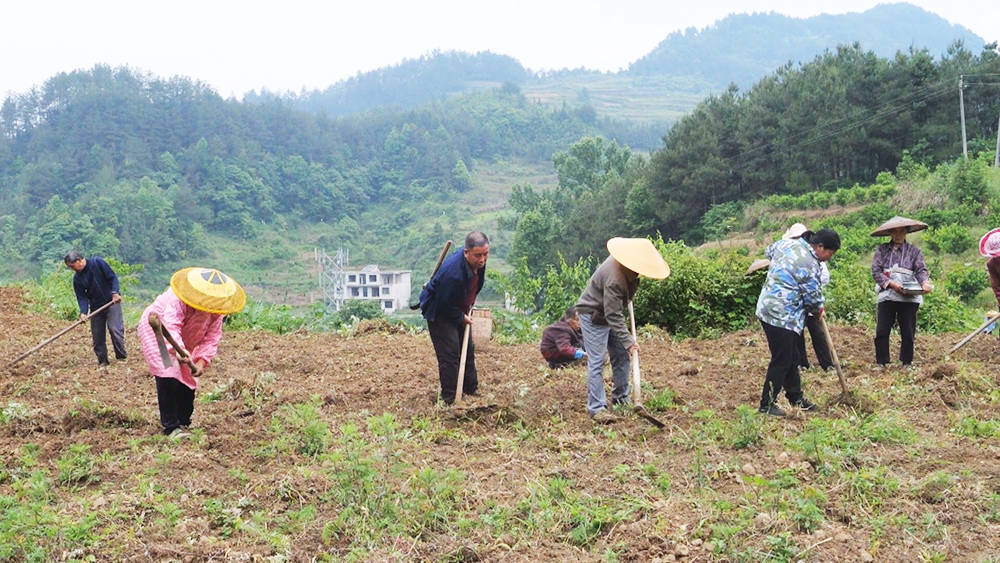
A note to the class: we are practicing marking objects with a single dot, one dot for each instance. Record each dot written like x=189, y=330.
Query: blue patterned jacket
x=792, y=287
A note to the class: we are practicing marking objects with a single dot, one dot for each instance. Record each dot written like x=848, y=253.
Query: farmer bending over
x=792, y=289
x=191, y=310
x=562, y=341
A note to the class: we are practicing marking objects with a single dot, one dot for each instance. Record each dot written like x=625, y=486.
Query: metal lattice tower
x=332, y=277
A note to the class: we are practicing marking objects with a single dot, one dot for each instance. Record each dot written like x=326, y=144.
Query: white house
x=391, y=288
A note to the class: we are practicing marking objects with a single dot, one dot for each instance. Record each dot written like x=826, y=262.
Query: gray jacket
x=606, y=298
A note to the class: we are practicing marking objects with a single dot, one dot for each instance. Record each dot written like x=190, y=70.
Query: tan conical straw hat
x=209, y=290
x=640, y=256
x=897, y=222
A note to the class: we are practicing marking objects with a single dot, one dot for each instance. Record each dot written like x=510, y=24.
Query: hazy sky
x=288, y=45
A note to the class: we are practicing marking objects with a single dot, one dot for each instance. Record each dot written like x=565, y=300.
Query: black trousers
x=176, y=402
x=823, y=357
x=447, y=340
x=889, y=313
x=783, y=370
x=108, y=321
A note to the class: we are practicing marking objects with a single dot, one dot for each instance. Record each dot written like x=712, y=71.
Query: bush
x=966, y=281
x=360, y=309
x=552, y=293
x=850, y=296
x=702, y=295
x=942, y=312
x=967, y=183
x=951, y=238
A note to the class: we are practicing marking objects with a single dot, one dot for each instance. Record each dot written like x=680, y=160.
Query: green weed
x=661, y=400
x=300, y=427
x=973, y=428
x=75, y=466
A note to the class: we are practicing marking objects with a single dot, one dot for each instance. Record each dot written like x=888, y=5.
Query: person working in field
x=191, y=310
x=446, y=303
x=793, y=288
x=989, y=246
x=562, y=341
x=96, y=285
x=815, y=328
x=603, y=308
x=901, y=279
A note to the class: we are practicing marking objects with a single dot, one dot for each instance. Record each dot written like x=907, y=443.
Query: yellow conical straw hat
x=209, y=290
x=640, y=256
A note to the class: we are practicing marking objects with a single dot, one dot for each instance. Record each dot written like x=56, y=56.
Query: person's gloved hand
x=579, y=354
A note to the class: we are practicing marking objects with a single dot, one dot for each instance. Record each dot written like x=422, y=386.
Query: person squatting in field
x=562, y=341
x=446, y=303
x=793, y=288
x=96, y=285
x=191, y=310
x=602, y=308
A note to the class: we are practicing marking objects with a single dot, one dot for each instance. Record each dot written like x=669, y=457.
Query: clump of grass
x=300, y=427
x=974, y=428
x=76, y=466
x=661, y=400
x=934, y=488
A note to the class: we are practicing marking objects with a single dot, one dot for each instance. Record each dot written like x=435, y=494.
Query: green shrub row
x=843, y=196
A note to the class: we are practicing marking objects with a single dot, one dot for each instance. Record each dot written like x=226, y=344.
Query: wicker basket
x=482, y=327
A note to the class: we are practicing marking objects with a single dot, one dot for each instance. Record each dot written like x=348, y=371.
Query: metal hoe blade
x=162, y=345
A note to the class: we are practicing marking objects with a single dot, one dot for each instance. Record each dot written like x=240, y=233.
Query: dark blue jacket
x=94, y=284
x=443, y=297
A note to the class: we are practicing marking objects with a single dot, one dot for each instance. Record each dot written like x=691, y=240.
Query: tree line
x=829, y=124
x=118, y=162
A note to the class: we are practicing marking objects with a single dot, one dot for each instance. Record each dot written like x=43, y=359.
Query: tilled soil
x=528, y=425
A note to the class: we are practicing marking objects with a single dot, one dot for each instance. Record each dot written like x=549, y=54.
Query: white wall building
x=391, y=288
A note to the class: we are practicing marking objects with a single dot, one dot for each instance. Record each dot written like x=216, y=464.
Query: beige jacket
x=606, y=298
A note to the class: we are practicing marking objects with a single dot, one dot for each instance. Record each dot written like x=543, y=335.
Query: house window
x=373, y=278
x=387, y=304
x=374, y=292
x=363, y=278
x=386, y=278
x=352, y=278
x=364, y=290
x=385, y=291
x=354, y=291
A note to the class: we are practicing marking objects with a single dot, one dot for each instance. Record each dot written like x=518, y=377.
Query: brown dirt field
x=532, y=428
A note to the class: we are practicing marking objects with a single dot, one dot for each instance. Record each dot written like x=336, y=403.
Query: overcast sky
x=288, y=45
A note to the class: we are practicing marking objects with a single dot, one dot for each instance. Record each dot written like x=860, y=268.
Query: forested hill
x=743, y=48
x=163, y=172
x=412, y=82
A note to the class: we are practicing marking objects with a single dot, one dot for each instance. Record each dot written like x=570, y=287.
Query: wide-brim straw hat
x=640, y=256
x=989, y=245
x=795, y=231
x=209, y=290
x=897, y=222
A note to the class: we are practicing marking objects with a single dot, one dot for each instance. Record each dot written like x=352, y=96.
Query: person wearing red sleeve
x=989, y=247
x=562, y=341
